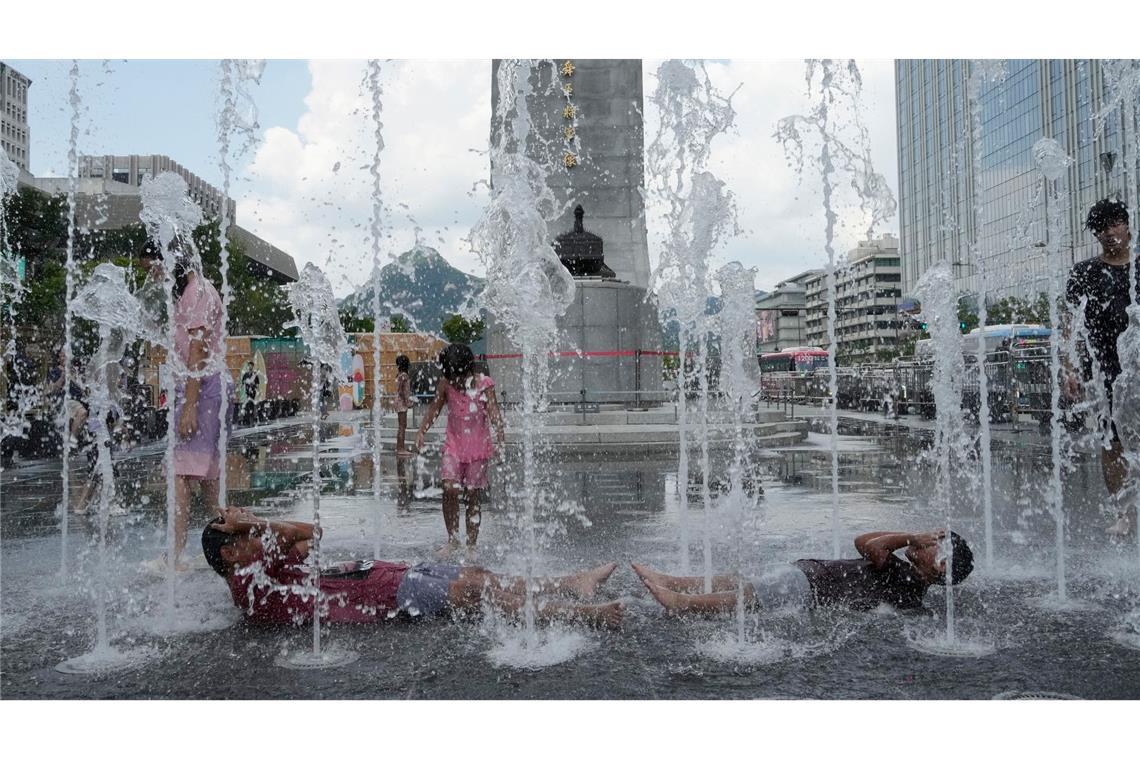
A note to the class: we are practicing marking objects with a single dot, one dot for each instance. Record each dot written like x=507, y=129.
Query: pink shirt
x=468, y=427
x=200, y=307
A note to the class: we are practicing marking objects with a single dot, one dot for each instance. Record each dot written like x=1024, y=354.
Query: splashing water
x=376, y=229
x=237, y=115
x=983, y=72
x=738, y=381
x=314, y=305
x=847, y=151
x=1053, y=163
x=14, y=422
x=170, y=216
x=527, y=288
x=699, y=215
x=935, y=290
x=106, y=300
x=69, y=289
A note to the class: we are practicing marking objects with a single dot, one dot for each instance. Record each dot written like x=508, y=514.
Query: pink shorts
x=471, y=475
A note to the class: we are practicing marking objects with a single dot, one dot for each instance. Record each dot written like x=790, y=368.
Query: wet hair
x=1106, y=213
x=456, y=361
x=181, y=271
x=963, y=561
x=212, y=542
x=402, y=363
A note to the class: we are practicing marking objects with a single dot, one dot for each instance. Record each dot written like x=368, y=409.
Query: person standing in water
x=467, y=449
x=403, y=403
x=202, y=386
x=1102, y=285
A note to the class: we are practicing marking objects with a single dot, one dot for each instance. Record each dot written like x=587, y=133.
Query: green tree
x=457, y=329
x=354, y=322
x=399, y=324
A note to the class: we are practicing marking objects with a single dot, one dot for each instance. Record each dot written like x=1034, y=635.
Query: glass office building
x=937, y=182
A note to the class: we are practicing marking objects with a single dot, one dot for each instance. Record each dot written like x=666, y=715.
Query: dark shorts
x=424, y=588
x=782, y=585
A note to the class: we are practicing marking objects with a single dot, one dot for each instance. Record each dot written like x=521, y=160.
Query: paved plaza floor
x=593, y=508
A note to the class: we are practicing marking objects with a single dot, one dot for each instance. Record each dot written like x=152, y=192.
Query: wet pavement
x=592, y=509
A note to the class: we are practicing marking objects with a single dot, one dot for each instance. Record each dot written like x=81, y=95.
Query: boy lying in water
x=263, y=563
x=879, y=577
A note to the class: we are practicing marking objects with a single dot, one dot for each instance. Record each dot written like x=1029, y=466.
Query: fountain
x=527, y=288
x=1053, y=163
x=106, y=300
x=839, y=82
x=169, y=216
x=935, y=290
x=982, y=73
x=64, y=434
x=315, y=306
x=377, y=91
x=738, y=380
x=12, y=291
x=699, y=214
x=236, y=75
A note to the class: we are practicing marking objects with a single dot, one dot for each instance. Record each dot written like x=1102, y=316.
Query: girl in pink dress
x=471, y=410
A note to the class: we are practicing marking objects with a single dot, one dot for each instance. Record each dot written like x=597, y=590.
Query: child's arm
x=496, y=416
x=433, y=411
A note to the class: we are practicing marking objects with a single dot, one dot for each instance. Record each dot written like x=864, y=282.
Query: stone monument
x=588, y=130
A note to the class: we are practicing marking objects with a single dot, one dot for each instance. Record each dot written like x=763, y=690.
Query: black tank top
x=859, y=584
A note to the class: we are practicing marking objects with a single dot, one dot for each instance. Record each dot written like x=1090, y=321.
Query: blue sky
x=148, y=106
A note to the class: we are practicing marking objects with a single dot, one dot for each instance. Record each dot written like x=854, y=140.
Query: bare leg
x=685, y=584
x=1115, y=469
x=474, y=517
x=210, y=496
x=181, y=514
x=581, y=585
x=468, y=592
x=402, y=419
x=451, y=511
x=699, y=604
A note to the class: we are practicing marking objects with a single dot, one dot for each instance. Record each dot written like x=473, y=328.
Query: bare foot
x=586, y=583
x=670, y=600
x=647, y=575
x=607, y=615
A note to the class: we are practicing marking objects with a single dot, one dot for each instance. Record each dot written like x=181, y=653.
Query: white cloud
x=436, y=119
x=435, y=114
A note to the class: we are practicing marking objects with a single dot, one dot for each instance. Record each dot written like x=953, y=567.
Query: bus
x=802, y=360
x=790, y=373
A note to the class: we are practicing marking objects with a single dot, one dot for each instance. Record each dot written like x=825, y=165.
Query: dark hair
x=181, y=269
x=212, y=542
x=402, y=363
x=1106, y=213
x=962, y=563
x=456, y=360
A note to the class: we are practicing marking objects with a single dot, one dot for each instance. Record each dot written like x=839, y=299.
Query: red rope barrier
x=581, y=354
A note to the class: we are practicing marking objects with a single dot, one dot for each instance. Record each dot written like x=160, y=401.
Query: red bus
x=802, y=360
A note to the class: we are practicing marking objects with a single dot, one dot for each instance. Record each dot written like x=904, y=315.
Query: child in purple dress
x=471, y=410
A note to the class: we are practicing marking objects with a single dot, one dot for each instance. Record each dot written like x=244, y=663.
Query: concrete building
x=590, y=137
x=868, y=291
x=15, y=137
x=938, y=186
x=781, y=316
x=107, y=204
x=132, y=170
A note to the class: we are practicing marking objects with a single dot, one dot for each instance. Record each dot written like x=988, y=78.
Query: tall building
x=937, y=183
x=781, y=316
x=14, y=133
x=132, y=170
x=868, y=290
